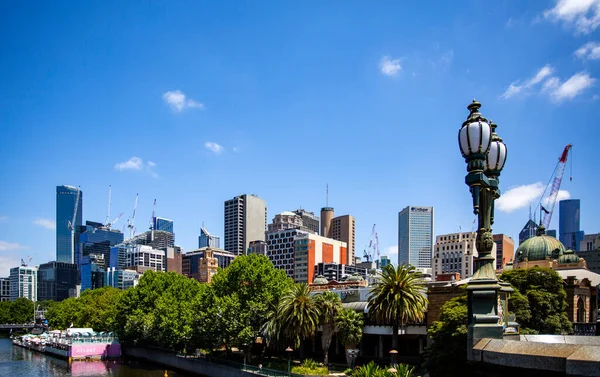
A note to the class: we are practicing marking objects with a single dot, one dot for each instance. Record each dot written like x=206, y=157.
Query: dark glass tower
x=66, y=197
x=570, y=233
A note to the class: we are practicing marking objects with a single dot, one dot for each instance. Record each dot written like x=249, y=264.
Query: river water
x=20, y=362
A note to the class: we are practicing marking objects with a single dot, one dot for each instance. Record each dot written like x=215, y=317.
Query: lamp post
x=289, y=351
x=353, y=353
x=393, y=354
x=485, y=155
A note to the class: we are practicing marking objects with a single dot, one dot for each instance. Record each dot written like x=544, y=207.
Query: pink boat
x=83, y=344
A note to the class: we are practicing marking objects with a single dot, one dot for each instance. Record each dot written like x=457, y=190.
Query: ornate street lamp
x=289, y=351
x=485, y=155
x=353, y=353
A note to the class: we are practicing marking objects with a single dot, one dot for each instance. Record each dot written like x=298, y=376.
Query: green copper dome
x=540, y=247
x=320, y=279
x=568, y=257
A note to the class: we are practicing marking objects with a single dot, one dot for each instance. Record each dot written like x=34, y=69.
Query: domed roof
x=355, y=277
x=540, y=247
x=320, y=279
x=568, y=257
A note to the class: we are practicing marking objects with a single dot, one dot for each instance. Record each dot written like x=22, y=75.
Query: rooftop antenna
x=108, y=212
x=327, y=195
x=530, y=212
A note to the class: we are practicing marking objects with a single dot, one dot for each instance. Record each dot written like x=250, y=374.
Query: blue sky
x=192, y=103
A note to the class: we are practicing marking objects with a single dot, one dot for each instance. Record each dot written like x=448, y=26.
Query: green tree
x=21, y=310
x=5, y=314
x=540, y=304
x=349, y=326
x=329, y=305
x=257, y=285
x=398, y=298
x=447, y=355
x=64, y=313
x=296, y=317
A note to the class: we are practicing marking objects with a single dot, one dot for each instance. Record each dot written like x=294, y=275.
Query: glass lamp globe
x=474, y=138
x=496, y=156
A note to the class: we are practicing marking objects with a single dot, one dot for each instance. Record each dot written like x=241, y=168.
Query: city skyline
x=101, y=103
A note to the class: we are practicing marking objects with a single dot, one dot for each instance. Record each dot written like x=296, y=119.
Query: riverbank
x=197, y=365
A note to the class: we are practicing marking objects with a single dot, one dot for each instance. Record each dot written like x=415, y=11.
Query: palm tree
x=398, y=297
x=349, y=327
x=329, y=305
x=296, y=318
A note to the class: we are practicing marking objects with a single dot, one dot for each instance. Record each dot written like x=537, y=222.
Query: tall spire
x=530, y=212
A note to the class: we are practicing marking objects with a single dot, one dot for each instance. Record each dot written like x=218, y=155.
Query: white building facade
x=23, y=283
x=245, y=221
x=454, y=253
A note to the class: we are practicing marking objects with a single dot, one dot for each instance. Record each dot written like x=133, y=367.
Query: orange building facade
x=311, y=249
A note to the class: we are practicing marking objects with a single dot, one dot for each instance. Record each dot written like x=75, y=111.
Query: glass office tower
x=159, y=223
x=57, y=281
x=415, y=236
x=570, y=234
x=65, y=206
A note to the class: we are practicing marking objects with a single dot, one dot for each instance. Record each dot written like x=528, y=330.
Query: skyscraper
x=528, y=231
x=160, y=223
x=95, y=238
x=415, y=236
x=309, y=220
x=343, y=229
x=23, y=283
x=570, y=234
x=245, y=221
x=208, y=240
x=68, y=198
x=57, y=281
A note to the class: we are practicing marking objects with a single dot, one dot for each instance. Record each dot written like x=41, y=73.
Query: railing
x=247, y=368
x=581, y=328
x=17, y=326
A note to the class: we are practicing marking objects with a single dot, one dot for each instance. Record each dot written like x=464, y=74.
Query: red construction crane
x=547, y=202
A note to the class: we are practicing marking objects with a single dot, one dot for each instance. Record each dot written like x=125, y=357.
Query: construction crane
x=131, y=224
x=373, y=247
x=107, y=223
x=152, y=221
x=25, y=264
x=548, y=199
x=71, y=224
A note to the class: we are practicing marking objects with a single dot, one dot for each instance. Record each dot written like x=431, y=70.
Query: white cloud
x=392, y=253
x=7, y=262
x=590, y=51
x=236, y=149
x=213, y=147
x=569, y=89
x=582, y=15
x=178, y=101
x=3, y=219
x=137, y=163
x=520, y=197
x=46, y=223
x=8, y=246
x=390, y=66
x=134, y=163
x=515, y=88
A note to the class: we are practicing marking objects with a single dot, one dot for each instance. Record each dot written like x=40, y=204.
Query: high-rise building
x=384, y=261
x=91, y=271
x=505, y=250
x=343, y=228
x=528, y=231
x=245, y=221
x=415, y=236
x=23, y=283
x=327, y=214
x=174, y=259
x=67, y=198
x=121, y=279
x=159, y=223
x=569, y=232
x=4, y=289
x=57, y=281
x=590, y=251
x=455, y=253
x=298, y=252
x=309, y=220
x=208, y=240
x=286, y=220
x=95, y=238
x=145, y=257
